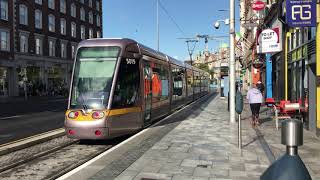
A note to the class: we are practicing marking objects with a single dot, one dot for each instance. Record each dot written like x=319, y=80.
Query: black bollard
x=289, y=166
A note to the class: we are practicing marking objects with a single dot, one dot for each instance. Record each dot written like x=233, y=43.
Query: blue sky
x=136, y=19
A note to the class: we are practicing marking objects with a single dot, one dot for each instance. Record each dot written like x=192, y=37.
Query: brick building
x=38, y=42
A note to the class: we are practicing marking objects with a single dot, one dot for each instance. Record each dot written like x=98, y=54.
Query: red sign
x=258, y=6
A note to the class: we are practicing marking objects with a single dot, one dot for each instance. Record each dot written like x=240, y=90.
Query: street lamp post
x=232, y=63
x=232, y=88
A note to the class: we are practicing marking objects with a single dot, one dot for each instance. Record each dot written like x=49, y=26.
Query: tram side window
x=160, y=83
x=178, y=81
x=190, y=82
x=126, y=92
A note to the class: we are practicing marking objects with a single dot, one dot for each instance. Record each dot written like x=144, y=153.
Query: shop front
x=302, y=73
x=4, y=82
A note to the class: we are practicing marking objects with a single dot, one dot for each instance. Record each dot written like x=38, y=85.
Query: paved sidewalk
x=203, y=146
x=309, y=152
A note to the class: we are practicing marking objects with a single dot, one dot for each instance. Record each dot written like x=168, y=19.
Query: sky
x=137, y=19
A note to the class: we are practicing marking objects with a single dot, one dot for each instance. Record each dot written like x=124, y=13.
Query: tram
x=120, y=86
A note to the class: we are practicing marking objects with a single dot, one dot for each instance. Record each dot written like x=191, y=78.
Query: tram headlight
x=97, y=114
x=73, y=114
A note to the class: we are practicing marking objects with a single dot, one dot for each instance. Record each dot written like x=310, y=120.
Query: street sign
x=258, y=5
x=268, y=41
x=301, y=13
x=257, y=63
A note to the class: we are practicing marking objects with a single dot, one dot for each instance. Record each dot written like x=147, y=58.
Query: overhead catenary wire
x=171, y=18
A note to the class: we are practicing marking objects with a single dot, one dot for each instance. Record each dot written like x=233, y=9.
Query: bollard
x=289, y=166
x=292, y=136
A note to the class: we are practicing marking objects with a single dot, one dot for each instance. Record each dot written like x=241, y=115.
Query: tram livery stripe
x=115, y=112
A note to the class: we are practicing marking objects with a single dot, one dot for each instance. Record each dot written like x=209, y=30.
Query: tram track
x=52, y=159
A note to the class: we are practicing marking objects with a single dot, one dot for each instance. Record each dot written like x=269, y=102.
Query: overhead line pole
x=158, y=32
x=232, y=62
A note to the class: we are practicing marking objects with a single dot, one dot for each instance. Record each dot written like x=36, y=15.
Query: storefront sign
x=301, y=13
x=257, y=63
x=258, y=5
x=268, y=41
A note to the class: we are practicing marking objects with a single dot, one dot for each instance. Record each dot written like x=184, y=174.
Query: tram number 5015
x=131, y=61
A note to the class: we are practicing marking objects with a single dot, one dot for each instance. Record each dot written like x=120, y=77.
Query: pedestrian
x=254, y=97
x=260, y=86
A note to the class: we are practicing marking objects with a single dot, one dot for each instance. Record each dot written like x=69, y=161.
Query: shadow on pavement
x=192, y=110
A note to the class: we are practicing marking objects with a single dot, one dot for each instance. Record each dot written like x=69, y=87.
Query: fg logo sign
x=301, y=13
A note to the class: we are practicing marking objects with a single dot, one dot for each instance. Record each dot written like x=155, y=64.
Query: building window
x=82, y=1
x=63, y=26
x=52, y=49
x=73, y=29
x=5, y=40
x=73, y=50
x=51, y=4
x=4, y=9
x=51, y=23
x=23, y=43
x=82, y=14
x=73, y=10
x=63, y=6
x=90, y=33
x=23, y=10
x=38, y=46
x=98, y=20
x=38, y=1
x=97, y=6
x=98, y=34
x=83, y=32
x=63, y=50
x=90, y=3
x=90, y=17
x=38, y=19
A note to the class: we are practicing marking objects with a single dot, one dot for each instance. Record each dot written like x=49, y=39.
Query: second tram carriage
x=120, y=86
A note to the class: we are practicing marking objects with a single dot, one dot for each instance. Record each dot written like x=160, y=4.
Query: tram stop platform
x=198, y=143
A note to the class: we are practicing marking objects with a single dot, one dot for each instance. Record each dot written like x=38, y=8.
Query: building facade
x=291, y=73
x=38, y=43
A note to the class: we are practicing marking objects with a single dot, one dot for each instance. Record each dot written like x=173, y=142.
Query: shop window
x=160, y=82
x=3, y=82
x=126, y=92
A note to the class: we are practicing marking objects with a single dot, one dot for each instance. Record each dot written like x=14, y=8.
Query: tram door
x=147, y=74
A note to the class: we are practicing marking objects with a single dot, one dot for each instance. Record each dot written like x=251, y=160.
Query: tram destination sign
x=301, y=13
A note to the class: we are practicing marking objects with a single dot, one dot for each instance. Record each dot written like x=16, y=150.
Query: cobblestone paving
x=203, y=146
